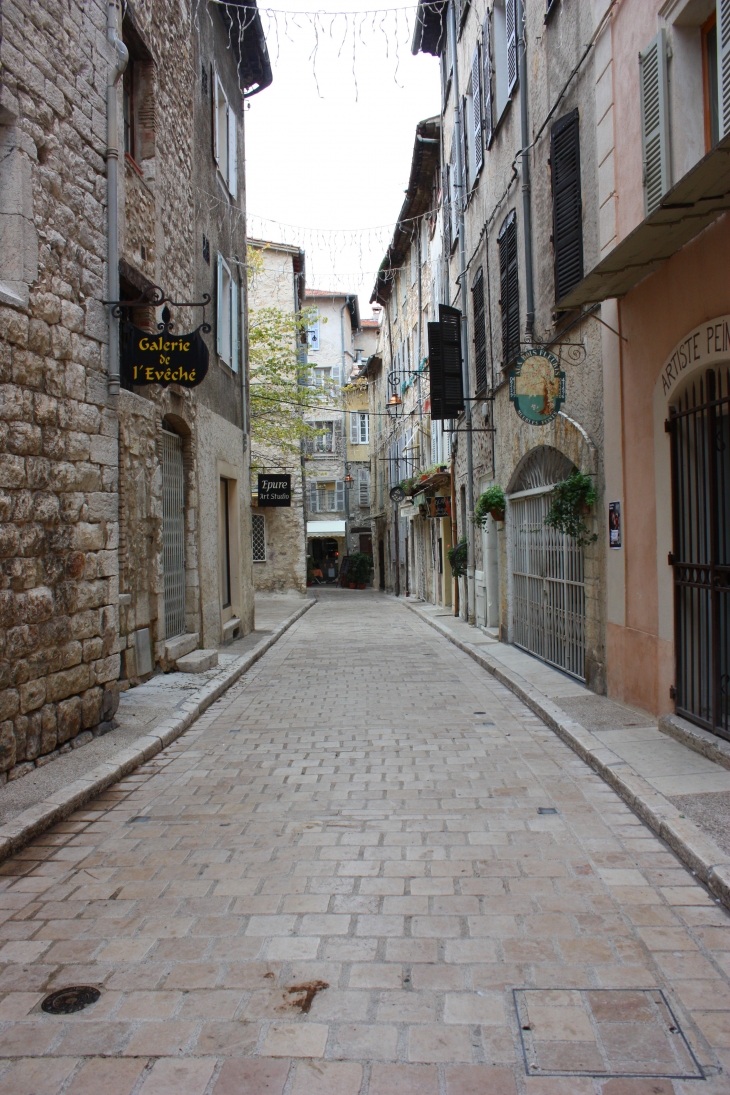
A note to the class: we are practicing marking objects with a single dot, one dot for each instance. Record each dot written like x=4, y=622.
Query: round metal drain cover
x=66, y=1001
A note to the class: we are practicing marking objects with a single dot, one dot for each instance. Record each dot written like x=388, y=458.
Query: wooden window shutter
x=723, y=65
x=219, y=305
x=488, y=80
x=446, y=204
x=567, y=205
x=354, y=430
x=232, y=153
x=655, y=122
x=464, y=157
x=214, y=104
x=480, y=332
x=510, y=289
x=436, y=371
x=453, y=196
x=339, y=495
x=364, y=487
x=453, y=382
x=234, y=324
x=511, y=19
x=313, y=499
x=476, y=92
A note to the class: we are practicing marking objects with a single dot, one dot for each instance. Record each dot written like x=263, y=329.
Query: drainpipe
x=526, y=198
x=112, y=163
x=464, y=329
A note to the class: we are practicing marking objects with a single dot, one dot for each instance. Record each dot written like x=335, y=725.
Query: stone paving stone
x=351, y=834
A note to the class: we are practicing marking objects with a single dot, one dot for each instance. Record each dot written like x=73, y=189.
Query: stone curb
x=15, y=834
x=705, y=858
x=697, y=739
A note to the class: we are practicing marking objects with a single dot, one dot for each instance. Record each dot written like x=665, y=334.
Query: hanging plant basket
x=493, y=502
x=571, y=501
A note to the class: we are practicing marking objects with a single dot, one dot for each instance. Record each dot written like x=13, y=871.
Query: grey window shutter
x=464, y=150
x=480, y=332
x=339, y=495
x=313, y=500
x=435, y=371
x=446, y=204
x=487, y=85
x=453, y=384
x=476, y=91
x=509, y=289
x=567, y=205
x=723, y=65
x=655, y=122
x=364, y=486
x=511, y=14
x=219, y=304
x=454, y=195
x=354, y=431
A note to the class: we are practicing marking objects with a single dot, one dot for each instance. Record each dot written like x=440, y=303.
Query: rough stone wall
x=59, y=659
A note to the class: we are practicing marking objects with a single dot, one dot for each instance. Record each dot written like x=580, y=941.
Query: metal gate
x=700, y=433
x=173, y=533
x=548, y=593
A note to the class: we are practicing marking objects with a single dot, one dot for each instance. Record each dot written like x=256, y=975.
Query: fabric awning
x=325, y=528
x=696, y=201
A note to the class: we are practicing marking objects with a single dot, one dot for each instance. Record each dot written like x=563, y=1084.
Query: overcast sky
x=337, y=158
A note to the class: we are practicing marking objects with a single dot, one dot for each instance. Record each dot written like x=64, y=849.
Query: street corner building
x=125, y=501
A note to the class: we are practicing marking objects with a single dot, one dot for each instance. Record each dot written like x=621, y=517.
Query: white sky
x=333, y=160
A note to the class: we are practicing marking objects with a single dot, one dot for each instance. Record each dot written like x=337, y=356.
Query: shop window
x=567, y=205
x=227, y=316
x=510, y=289
x=258, y=537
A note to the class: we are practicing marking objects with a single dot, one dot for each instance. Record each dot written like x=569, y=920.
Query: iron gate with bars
x=548, y=608
x=173, y=533
x=700, y=437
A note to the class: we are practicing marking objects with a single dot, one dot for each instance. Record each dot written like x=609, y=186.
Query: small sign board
x=537, y=386
x=438, y=507
x=274, y=490
x=163, y=358
x=397, y=494
x=614, y=524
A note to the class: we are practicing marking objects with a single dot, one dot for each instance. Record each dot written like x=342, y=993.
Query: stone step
x=197, y=661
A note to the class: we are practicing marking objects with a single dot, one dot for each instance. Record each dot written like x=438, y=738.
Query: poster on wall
x=537, y=386
x=614, y=524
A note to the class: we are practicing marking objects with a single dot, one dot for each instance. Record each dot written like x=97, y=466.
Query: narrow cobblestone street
x=332, y=884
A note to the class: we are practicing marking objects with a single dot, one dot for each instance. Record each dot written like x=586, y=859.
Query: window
x=313, y=335
x=655, y=121
x=324, y=441
x=225, y=151
x=258, y=537
x=359, y=428
x=510, y=289
x=326, y=497
x=505, y=51
x=480, y=332
x=710, y=82
x=227, y=316
x=225, y=547
x=138, y=100
x=567, y=205
x=325, y=375
x=363, y=488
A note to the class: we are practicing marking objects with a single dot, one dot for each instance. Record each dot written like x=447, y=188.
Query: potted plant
x=457, y=558
x=493, y=502
x=571, y=501
x=361, y=566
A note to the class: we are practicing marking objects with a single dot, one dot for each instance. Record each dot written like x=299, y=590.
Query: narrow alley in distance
x=362, y=875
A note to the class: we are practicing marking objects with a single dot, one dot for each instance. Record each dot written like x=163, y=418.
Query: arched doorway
x=699, y=424
x=548, y=604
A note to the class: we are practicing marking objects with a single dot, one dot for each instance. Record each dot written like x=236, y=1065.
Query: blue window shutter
x=234, y=324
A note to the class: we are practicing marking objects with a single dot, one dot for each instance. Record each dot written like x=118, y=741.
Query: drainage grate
x=604, y=1033
x=132, y=820
x=66, y=1001
x=480, y=712
x=547, y=810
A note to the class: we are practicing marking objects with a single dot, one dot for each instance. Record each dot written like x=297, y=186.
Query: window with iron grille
x=323, y=442
x=480, y=332
x=510, y=289
x=258, y=537
x=567, y=205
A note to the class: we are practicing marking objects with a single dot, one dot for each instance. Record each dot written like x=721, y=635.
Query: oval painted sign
x=537, y=386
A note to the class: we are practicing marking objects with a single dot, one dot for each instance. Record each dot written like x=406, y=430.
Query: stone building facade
x=81, y=468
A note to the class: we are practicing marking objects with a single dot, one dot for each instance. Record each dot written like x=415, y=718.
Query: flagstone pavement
x=368, y=869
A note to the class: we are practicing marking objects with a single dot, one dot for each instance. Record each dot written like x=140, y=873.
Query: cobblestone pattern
x=367, y=844
x=58, y=438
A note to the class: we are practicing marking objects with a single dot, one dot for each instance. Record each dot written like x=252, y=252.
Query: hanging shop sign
x=438, y=507
x=163, y=358
x=274, y=490
x=537, y=386
x=397, y=494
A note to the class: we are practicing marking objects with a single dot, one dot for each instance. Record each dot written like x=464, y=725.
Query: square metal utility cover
x=602, y=1032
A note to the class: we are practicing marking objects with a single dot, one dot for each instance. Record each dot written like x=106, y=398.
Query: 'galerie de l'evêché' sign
x=163, y=358
x=537, y=386
x=274, y=490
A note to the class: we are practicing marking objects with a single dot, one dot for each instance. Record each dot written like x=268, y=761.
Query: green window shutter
x=655, y=122
x=723, y=65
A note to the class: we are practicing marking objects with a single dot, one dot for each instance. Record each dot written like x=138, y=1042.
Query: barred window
x=258, y=537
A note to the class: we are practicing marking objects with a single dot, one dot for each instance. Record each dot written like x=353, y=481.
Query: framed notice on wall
x=614, y=524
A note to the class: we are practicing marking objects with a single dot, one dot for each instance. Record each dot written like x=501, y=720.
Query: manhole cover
x=604, y=1033
x=66, y=1001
